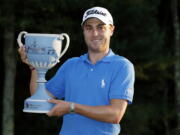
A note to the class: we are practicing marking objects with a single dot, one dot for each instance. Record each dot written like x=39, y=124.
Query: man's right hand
x=23, y=55
x=24, y=59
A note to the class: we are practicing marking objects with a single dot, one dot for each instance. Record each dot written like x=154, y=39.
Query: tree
x=141, y=35
x=9, y=68
x=176, y=30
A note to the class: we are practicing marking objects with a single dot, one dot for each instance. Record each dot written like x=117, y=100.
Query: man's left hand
x=61, y=107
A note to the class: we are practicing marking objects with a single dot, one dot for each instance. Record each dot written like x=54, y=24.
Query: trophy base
x=34, y=111
x=37, y=106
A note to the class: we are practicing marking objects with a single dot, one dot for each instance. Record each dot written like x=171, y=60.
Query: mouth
x=96, y=40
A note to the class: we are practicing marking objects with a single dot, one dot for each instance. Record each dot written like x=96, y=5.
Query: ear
x=112, y=27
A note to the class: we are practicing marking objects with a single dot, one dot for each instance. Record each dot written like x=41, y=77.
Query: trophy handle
x=67, y=44
x=19, y=38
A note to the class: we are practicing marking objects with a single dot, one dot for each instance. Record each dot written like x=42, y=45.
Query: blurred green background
x=146, y=32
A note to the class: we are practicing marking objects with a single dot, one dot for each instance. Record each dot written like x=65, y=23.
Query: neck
x=96, y=56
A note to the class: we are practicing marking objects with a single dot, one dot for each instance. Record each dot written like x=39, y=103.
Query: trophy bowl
x=43, y=52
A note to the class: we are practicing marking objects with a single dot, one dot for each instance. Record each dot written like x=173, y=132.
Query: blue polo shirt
x=80, y=81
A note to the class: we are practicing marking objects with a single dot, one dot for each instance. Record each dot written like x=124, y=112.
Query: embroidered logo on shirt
x=102, y=83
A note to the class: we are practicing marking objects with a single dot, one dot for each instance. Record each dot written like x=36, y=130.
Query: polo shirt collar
x=107, y=58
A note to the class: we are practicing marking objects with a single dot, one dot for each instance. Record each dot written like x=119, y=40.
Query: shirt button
x=91, y=69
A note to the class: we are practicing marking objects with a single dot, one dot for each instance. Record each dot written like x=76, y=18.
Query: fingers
x=51, y=112
x=55, y=101
x=22, y=53
x=60, y=108
x=21, y=49
x=23, y=56
x=55, y=111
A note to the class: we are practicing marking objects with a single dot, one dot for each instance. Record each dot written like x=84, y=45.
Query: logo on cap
x=95, y=12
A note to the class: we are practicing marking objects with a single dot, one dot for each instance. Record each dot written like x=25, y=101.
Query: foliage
x=142, y=34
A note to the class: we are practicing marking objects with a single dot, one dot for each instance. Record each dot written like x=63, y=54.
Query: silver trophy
x=43, y=52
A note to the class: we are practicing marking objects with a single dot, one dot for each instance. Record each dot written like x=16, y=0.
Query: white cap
x=100, y=13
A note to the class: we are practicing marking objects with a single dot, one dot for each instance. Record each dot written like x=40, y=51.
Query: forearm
x=111, y=113
x=100, y=113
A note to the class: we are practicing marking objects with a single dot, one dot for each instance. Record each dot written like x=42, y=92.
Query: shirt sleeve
x=122, y=84
x=56, y=85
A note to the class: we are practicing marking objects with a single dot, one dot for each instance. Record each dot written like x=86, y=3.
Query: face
x=97, y=35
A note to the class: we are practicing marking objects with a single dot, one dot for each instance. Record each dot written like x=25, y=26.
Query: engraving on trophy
x=34, y=43
x=42, y=51
x=32, y=106
x=50, y=51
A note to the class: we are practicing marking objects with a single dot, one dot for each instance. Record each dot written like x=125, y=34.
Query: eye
x=101, y=27
x=88, y=28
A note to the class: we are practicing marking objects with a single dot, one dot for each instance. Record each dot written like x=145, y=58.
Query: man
x=96, y=87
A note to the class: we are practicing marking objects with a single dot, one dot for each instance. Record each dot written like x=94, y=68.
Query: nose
x=95, y=32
